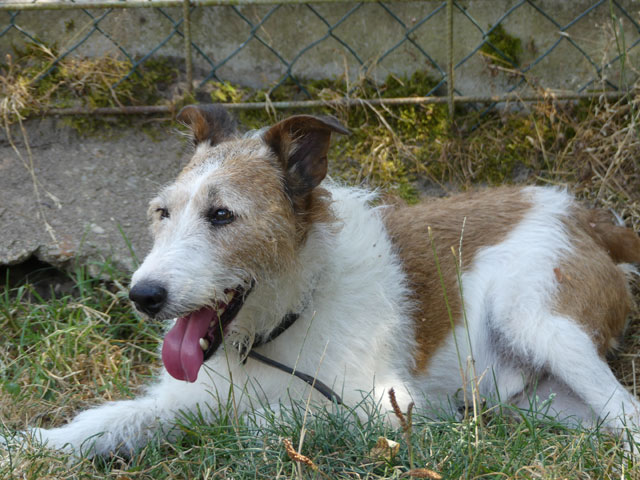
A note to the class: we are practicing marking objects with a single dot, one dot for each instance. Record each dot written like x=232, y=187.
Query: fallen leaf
x=423, y=473
x=384, y=449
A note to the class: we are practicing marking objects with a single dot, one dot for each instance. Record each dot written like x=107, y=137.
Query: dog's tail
x=621, y=243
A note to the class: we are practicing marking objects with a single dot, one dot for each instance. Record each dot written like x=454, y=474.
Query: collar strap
x=288, y=320
x=314, y=382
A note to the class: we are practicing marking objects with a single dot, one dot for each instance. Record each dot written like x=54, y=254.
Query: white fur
x=356, y=333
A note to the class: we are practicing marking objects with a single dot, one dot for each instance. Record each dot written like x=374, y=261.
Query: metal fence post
x=186, y=15
x=450, y=87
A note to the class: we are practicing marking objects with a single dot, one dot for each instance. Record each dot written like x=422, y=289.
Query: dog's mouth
x=196, y=336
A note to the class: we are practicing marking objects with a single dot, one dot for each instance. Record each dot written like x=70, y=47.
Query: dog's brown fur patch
x=285, y=226
x=591, y=288
x=269, y=220
x=300, y=144
x=490, y=215
x=621, y=243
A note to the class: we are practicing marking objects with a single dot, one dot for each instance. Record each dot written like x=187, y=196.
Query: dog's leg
x=114, y=427
x=126, y=425
x=551, y=398
x=558, y=345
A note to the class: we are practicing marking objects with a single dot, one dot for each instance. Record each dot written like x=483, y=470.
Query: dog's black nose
x=149, y=297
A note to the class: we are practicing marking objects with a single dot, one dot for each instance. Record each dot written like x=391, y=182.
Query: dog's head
x=235, y=215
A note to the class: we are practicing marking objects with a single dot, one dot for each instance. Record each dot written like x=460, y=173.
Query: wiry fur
x=365, y=283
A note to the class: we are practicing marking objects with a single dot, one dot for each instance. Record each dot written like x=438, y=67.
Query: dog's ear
x=208, y=123
x=301, y=143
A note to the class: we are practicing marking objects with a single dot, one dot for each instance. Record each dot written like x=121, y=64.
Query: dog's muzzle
x=196, y=336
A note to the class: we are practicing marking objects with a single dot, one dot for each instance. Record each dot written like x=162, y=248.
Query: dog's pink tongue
x=181, y=352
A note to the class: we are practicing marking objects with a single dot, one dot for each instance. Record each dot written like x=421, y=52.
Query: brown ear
x=209, y=123
x=301, y=143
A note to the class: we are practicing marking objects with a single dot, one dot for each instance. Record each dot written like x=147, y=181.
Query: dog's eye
x=164, y=213
x=221, y=216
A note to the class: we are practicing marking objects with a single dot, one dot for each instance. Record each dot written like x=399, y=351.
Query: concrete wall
x=370, y=31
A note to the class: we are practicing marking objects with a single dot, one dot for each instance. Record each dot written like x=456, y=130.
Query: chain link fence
x=481, y=51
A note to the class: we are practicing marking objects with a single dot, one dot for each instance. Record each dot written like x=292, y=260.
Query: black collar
x=288, y=320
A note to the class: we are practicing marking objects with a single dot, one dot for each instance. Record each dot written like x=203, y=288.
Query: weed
x=501, y=48
x=36, y=78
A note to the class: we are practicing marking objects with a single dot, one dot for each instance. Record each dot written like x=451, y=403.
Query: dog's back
x=438, y=240
x=530, y=284
x=437, y=237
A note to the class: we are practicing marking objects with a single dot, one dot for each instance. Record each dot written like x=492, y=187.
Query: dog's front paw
x=62, y=439
x=17, y=441
x=52, y=439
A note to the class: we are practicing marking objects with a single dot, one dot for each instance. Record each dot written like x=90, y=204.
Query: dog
x=261, y=266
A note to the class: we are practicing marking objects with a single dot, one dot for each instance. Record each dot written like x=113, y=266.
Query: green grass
x=62, y=353
x=58, y=352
